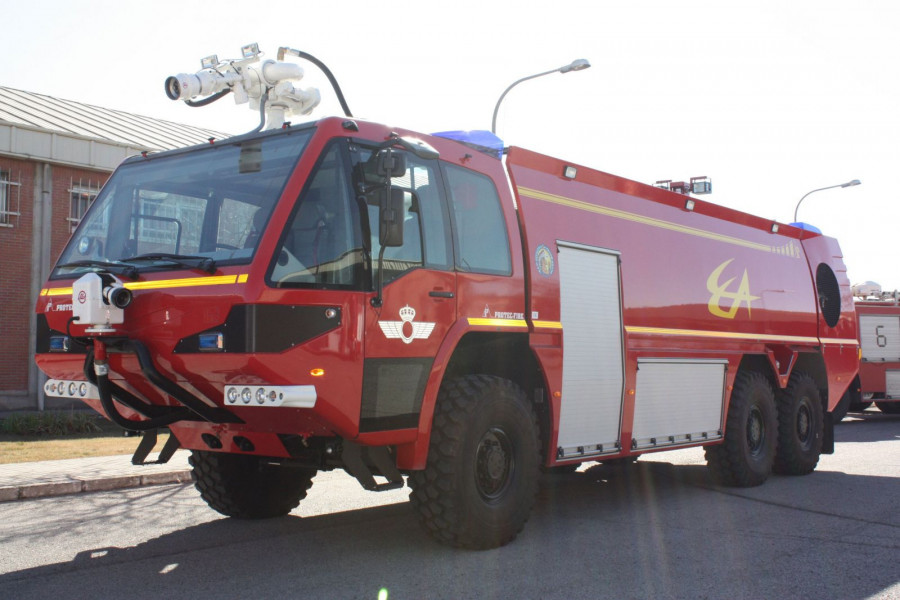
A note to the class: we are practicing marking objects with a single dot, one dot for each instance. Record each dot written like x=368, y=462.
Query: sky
x=770, y=99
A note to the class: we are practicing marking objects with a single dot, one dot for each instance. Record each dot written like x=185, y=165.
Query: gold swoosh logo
x=719, y=291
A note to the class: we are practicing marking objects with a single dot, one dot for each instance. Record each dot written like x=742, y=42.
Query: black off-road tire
x=888, y=408
x=481, y=478
x=745, y=457
x=801, y=426
x=245, y=487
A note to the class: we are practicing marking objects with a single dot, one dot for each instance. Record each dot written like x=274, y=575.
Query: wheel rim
x=756, y=431
x=494, y=464
x=804, y=423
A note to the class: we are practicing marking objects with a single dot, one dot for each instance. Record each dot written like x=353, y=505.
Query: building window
x=81, y=196
x=9, y=200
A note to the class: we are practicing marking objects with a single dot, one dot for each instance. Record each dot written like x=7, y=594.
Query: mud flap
x=828, y=437
x=148, y=441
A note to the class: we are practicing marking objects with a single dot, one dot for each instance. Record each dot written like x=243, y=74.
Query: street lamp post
x=840, y=185
x=575, y=65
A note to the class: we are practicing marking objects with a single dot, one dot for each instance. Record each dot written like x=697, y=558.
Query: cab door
x=417, y=307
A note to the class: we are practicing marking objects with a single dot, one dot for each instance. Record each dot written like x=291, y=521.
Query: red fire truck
x=344, y=294
x=879, y=336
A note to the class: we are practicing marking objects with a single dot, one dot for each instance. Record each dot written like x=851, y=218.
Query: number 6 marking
x=880, y=338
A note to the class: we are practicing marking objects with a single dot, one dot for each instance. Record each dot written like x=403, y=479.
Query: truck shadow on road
x=649, y=529
x=868, y=426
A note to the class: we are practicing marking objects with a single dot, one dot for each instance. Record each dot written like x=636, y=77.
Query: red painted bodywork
x=667, y=252
x=667, y=255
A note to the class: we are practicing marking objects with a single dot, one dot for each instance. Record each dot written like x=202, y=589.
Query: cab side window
x=482, y=245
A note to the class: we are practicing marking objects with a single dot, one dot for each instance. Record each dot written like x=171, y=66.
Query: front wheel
x=247, y=487
x=481, y=477
x=745, y=457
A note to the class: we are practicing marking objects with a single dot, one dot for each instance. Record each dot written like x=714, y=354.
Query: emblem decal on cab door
x=406, y=329
x=543, y=260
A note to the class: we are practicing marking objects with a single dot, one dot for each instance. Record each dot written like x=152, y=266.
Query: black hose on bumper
x=193, y=409
x=106, y=401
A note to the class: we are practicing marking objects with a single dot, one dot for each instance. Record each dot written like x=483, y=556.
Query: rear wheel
x=745, y=457
x=801, y=426
x=481, y=478
x=246, y=487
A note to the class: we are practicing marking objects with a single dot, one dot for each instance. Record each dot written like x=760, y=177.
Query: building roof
x=84, y=120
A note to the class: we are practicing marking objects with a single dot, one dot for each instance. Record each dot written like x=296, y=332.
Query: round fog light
x=232, y=395
x=246, y=395
x=260, y=395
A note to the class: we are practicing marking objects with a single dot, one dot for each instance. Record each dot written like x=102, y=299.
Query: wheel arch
x=778, y=364
x=505, y=355
x=813, y=365
x=509, y=356
x=501, y=354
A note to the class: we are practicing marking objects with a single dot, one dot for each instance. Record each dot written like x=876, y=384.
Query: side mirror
x=391, y=164
x=390, y=225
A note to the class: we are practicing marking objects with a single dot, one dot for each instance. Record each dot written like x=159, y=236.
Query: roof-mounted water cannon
x=267, y=87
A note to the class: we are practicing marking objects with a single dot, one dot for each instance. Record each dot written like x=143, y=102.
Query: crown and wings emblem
x=407, y=333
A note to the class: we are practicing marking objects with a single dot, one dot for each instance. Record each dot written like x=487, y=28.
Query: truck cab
x=262, y=290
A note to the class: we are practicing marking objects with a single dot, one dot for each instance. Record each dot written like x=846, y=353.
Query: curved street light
x=840, y=185
x=575, y=65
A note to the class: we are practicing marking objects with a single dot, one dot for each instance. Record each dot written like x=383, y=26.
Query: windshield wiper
x=204, y=263
x=129, y=271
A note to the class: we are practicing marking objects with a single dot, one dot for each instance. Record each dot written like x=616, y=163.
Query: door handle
x=440, y=294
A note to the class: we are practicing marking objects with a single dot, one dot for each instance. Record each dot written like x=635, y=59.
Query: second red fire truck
x=879, y=334
x=437, y=310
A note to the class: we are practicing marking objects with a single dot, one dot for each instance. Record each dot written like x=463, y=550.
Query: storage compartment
x=678, y=402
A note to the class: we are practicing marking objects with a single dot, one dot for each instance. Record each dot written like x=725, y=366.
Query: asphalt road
x=657, y=529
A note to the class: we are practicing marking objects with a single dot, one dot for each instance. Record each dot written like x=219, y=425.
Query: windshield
x=207, y=205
